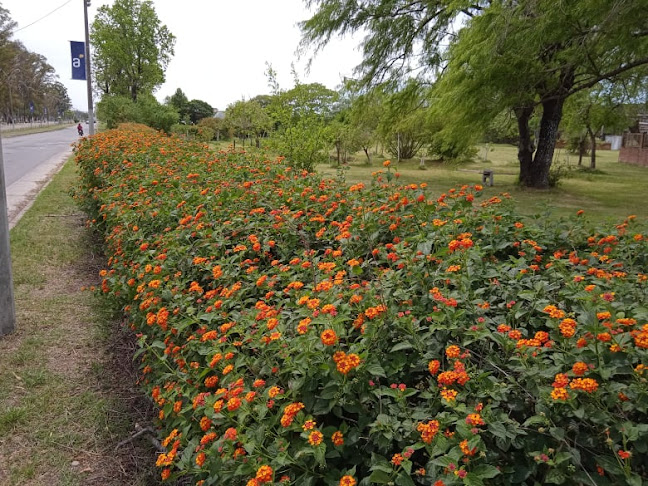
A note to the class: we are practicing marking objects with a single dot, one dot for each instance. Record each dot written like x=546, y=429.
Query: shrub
x=117, y=109
x=293, y=330
x=193, y=132
x=216, y=125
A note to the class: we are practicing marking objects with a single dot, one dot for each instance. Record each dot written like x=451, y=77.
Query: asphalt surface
x=29, y=163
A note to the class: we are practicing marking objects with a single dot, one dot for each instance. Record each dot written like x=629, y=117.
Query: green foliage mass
x=301, y=116
x=27, y=79
x=199, y=109
x=247, y=119
x=216, y=125
x=116, y=109
x=131, y=48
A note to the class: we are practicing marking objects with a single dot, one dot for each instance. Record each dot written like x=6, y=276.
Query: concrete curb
x=22, y=193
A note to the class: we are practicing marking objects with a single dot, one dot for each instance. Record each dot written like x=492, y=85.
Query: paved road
x=24, y=153
x=29, y=163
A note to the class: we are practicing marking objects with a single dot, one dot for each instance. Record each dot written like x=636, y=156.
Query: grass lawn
x=36, y=128
x=67, y=390
x=610, y=193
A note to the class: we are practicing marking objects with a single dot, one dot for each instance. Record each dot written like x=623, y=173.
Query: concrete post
x=7, y=306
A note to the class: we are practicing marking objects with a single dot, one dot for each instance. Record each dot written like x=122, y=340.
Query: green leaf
x=534, y=420
x=376, y=370
x=555, y=476
x=320, y=454
x=380, y=477
x=425, y=247
x=635, y=480
x=404, y=479
x=330, y=390
x=557, y=433
x=497, y=429
x=485, y=471
x=562, y=457
x=323, y=407
x=579, y=412
x=472, y=480
x=401, y=346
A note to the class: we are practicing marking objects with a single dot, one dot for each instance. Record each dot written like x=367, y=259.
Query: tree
x=365, y=111
x=402, y=125
x=263, y=100
x=25, y=82
x=29, y=87
x=521, y=55
x=56, y=98
x=216, y=125
x=589, y=112
x=198, y=109
x=131, y=48
x=180, y=102
x=247, y=119
x=301, y=115
x=7, y=25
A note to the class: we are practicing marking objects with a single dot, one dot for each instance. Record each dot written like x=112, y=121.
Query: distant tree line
x=29, y=86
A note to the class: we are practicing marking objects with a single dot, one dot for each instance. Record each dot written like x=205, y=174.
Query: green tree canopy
x=247, y=119
x=300, y=117
x=180, y=102
x=199, y=109
x=26, y=79
x=116, y=109
x=522, y=55
x=589, y=112
x=131, y=48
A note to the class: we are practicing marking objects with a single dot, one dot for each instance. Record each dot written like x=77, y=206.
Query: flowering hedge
x=294, y=330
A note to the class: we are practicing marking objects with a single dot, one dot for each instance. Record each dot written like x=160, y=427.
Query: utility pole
x=7, y=306
x=86, y=4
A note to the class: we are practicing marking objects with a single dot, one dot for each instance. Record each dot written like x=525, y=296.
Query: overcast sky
x=221, y=45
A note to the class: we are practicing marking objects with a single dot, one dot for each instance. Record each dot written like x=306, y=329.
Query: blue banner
x=78, y=60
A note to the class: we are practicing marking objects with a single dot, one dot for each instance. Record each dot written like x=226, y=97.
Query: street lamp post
x=86, y=4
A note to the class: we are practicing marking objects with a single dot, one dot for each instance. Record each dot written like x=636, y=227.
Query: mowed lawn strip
x=67, y=396
x=24, y=130
x=608, y=194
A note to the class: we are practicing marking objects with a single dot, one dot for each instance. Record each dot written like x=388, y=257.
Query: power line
x=43, y=17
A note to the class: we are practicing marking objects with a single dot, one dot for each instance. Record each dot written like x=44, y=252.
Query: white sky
x=221, y=45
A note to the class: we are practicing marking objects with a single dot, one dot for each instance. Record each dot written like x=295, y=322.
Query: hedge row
x=297, y=330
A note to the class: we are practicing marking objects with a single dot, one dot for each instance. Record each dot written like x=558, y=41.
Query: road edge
x=22, y=193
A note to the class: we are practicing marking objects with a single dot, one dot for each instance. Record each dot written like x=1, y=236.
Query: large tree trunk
x=525, y=144
x=593, y=144
x=551, y=114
